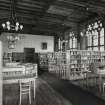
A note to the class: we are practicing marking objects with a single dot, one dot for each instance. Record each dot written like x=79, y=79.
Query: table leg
x=100, y=80
x=87, y=80
x=34, y=87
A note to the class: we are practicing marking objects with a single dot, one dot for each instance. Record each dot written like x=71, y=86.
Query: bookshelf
x=57, y=63
x=43, y=61
x=7, y=57
x=73, y=64
x=79, y=62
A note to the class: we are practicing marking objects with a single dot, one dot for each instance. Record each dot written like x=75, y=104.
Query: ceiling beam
x=73, y=7
x=92, y=7
x=47, y=7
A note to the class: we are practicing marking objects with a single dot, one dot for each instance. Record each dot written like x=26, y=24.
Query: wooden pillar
x=0, y=73
x=83, y=43
x=56, y=43
x=83, y=38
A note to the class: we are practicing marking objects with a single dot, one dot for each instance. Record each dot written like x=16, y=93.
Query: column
x=67, y=40
x=0, y=73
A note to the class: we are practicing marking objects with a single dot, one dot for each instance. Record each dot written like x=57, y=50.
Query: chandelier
x=12, y=24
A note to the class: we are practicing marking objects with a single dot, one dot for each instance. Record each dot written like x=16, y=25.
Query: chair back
x=25, y=86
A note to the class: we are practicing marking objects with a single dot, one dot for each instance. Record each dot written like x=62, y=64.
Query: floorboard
x=73, y=93
x=45, y=95
x=51, y=90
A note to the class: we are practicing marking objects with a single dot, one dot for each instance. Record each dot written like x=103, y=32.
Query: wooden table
x=13, y=74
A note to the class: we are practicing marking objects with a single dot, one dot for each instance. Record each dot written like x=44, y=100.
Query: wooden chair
x=25, y=89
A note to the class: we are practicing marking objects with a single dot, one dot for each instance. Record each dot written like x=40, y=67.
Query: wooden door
x=29, y=55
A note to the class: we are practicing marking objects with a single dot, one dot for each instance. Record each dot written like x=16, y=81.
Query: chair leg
x=20, y=99
x=34, y=87
x=30, y=97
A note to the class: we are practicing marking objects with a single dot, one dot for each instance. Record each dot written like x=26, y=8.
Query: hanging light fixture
x=12, y=24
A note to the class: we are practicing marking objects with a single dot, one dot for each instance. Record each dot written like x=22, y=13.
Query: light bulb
x=8, y=27
x=8, y=23
x=17, y=23
x=3, y=25
x=16, y=28
x=21, y=27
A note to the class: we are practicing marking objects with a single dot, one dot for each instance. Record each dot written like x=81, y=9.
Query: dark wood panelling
x=18, y=57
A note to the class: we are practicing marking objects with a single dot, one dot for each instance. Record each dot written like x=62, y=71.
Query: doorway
x=29, y=55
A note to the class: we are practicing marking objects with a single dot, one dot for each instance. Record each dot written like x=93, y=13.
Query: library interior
x=52, y=52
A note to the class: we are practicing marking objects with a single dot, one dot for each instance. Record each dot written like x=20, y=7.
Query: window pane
x=96, y=33
x=95, y=39
x=102, y=32
x=70, y=43
x=102, y=40
x=90, y=41
x=95, y=48
x=89, y=48
x=95, y=42
x=102, y=48
x=73, y=42
x=76, y=43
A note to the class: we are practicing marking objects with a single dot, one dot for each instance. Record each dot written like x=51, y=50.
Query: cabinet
x=7, y=57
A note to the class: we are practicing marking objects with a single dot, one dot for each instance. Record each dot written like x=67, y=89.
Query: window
x=73, y=41
x=95, y=34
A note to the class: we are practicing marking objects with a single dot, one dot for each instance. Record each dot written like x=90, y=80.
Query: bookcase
x=73, y=64
x=7, y=57
x=57, y=63
x=43, y=61
x=79, y=62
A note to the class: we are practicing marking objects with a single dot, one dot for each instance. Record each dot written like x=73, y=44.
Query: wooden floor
x=52, y=91
x=45, y=95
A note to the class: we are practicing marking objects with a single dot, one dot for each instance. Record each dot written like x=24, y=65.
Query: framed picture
x=44, y=46
x=11, y=45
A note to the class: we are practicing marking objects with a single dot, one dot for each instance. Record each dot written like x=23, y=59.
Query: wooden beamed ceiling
x=52, y=16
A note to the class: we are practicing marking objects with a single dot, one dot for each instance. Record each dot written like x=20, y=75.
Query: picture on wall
x=11, y=45
x=44, y=46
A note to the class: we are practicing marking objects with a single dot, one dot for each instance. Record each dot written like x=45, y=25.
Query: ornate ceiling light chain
x=12, y=24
